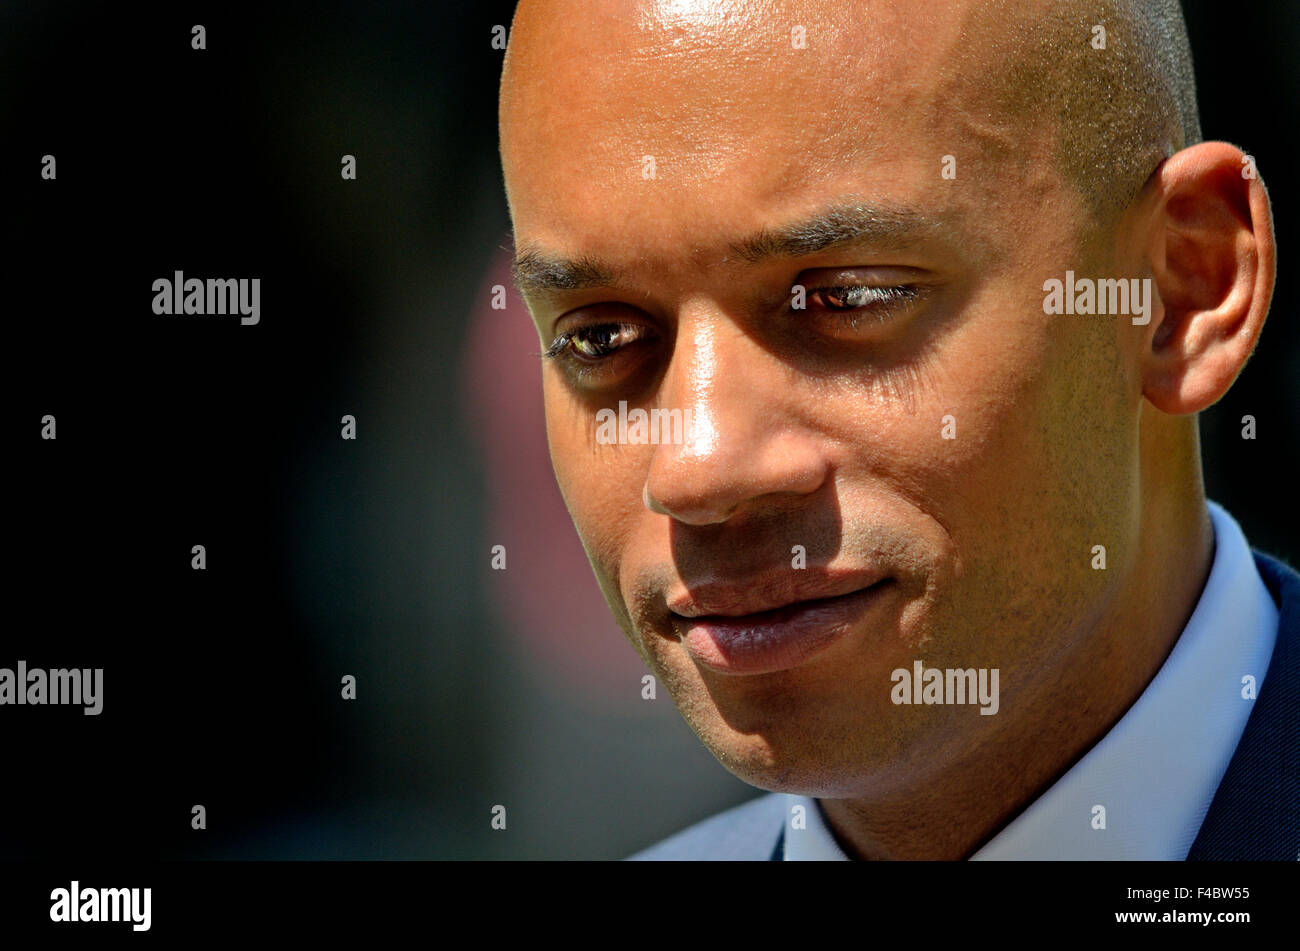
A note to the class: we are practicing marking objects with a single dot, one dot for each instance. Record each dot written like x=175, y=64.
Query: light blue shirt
x=1156, y=771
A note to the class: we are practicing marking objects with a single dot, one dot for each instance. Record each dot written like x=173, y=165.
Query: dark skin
x=824, y=432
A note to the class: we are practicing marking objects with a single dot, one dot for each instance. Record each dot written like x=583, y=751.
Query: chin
x=795, y=764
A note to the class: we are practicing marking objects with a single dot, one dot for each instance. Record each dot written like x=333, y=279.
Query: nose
x=746, y=440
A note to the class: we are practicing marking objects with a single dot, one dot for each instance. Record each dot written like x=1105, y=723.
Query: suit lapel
x=778, y=853
x=1255, y=813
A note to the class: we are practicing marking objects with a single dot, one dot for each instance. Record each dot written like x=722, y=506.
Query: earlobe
x=1213, y=260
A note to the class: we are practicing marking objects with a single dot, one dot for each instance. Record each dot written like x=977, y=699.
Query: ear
x=1213, y=261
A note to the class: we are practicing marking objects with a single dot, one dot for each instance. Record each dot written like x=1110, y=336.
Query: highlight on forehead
x=1118, y=110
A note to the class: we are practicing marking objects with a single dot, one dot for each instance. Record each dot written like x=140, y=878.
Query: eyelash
x=882, y=304
x=563, y=344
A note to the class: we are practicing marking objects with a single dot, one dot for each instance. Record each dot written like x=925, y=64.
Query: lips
x=758, y=630
x=737, y=599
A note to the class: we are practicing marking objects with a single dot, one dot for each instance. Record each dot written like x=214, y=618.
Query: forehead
x=668, y=121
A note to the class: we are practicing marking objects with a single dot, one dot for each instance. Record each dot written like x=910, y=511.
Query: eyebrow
x=536, y=271
x=837, y=226
x=842, y=224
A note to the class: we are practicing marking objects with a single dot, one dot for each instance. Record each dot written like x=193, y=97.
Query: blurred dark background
x=370, y=557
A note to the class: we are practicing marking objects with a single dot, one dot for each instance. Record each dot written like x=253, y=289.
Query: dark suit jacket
x=1255, y=813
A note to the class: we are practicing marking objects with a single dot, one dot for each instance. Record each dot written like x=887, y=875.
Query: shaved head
x=1120, y=108
x=1114, y=76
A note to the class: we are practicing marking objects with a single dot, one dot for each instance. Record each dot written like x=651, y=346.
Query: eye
x=596, y=342
x=855, y=303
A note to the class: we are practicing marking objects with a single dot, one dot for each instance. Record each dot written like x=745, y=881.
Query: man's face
x=945, y=454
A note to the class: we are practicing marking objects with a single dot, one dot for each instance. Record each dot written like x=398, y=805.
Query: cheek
x=1007, y=411
x=994, y=441
x=1035, y=471
x=601, y=485
x=964, y=430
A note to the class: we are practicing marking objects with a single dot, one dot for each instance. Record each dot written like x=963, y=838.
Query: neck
x=968, y=800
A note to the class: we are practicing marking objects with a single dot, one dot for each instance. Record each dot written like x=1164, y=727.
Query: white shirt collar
x=1157, y=769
